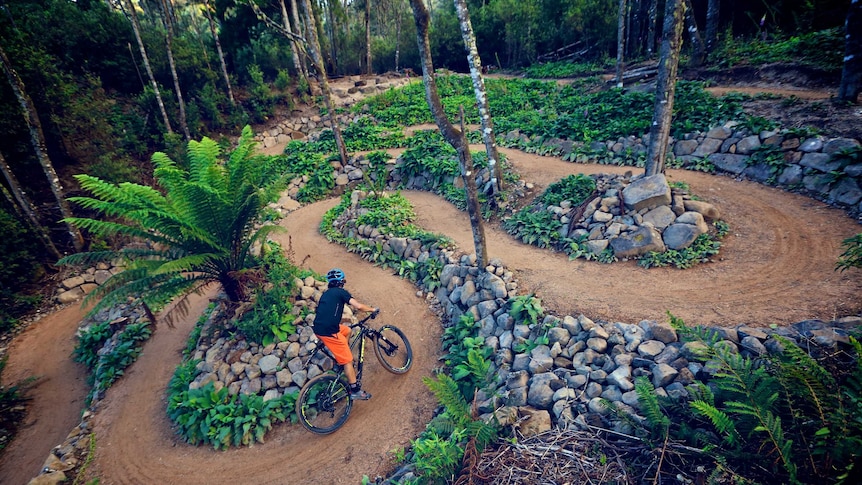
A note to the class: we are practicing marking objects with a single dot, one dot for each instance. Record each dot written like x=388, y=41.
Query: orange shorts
x=339, y=345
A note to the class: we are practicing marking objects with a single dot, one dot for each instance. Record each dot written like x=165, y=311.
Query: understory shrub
x=107, y=352
x=787, y=417
x=209, y=416
x=270, y=319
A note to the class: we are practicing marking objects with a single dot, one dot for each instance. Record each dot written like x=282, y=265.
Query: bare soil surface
x=776, y=267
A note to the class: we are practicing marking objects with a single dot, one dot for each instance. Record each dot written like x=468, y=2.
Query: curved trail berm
x=776, y=267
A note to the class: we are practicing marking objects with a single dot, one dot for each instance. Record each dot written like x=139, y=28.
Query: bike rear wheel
x=324, y=403
x=393, y=349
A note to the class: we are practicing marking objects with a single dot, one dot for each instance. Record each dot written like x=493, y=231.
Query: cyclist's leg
x=340, y=348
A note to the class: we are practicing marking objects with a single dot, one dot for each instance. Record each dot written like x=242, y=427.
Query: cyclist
x=328, y=328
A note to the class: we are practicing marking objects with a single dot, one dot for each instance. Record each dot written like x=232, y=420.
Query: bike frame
x=364, y=333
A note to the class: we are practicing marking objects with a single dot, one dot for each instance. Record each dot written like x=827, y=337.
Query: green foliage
x=19, y=268
x=770, y=155
x=526, y=309
x=12, y=407
x=438, y=451
x=563, y=69
x=535, y=226
x=852, y=255
x=89, y=343
x=270, y=319
x=363, y=134
x=261, y=100
x=466, y=355
x=757, y=124
x=784, y=407
x=207, y=416
x=282, y=80
x=703, y=247
x=111, y=365
x=822, y=49
x=574, y=188
x=201, y=230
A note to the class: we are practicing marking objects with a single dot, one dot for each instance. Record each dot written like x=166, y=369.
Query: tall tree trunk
x=137, y=29
x=209, y=16
x=453, y=136
x=712, y=13
x=294, y=14
x=698, y=49
x=294, y=49
x=26, y=208
x=397, y=37
x=674, y=14
x=317, y=61
x=475, y=62
x=167, y=8
x=635, y=41
x=368, y=69
x=651, y=25
x=621, y=42
x=37, y=138
x=851, y=75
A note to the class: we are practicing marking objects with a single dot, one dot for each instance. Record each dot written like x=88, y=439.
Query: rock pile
x=634, y=216
x=347, y=93
x=77, y=286
x=811, y=164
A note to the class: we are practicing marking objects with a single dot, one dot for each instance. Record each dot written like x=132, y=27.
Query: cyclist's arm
x=360, y=306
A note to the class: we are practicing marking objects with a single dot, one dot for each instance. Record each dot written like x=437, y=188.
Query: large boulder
x=647, y=193
x=642, y=241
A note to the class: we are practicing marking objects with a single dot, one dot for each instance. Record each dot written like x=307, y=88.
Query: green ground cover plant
x=786, y=417
x=270, y=319
x=822, y=49
x=564, y=69
x=214, y=417
x=106, y=367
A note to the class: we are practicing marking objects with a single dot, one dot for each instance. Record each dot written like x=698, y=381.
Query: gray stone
x=663, y=374
x=729, y=162
x=684, y=147
x=621, y=377
x=846, y=192
x=558, y=335
x=517, y=397
x=820, y=161
x=269, y=364
x=811, y=145
x=680, y=236
x=753, y=346
x=638, y=243
x=650, y=348
x=748, y=145
x=707, y=147
x=660, y=217
x=599, y=345
x=854, y=170
x=719, y=133
x=817, y=183
x=760, y=172
x=598, y=406
x=791, y=175
x=661, y=331
x=647, y=192
x=540, y=394
x=838, y=144
x=517, y=379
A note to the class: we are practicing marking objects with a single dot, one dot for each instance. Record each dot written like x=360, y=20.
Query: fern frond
x=656, y=418
x=725, y=426
x=445, y=389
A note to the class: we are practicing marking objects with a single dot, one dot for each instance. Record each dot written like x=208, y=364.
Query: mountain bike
x=324, y=403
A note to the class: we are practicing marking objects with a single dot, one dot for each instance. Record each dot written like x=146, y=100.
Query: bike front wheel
x=393, y=349
x=324, y=403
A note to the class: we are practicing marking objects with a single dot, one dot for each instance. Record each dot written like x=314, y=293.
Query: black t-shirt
x=329, y=309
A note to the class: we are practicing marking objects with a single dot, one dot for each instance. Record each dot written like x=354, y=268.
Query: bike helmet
x=335, y=275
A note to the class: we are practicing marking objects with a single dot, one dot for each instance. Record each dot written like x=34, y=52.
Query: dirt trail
x=44, y=351
x=136, y=443
x=776, y=266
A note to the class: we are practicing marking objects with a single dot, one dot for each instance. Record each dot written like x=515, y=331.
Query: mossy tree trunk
x=475, y=63
x=851, y=75
x=665, y=86
x=453, y=136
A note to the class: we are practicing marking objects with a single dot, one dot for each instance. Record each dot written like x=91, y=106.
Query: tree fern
x=722, y=422
x=201, y=230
